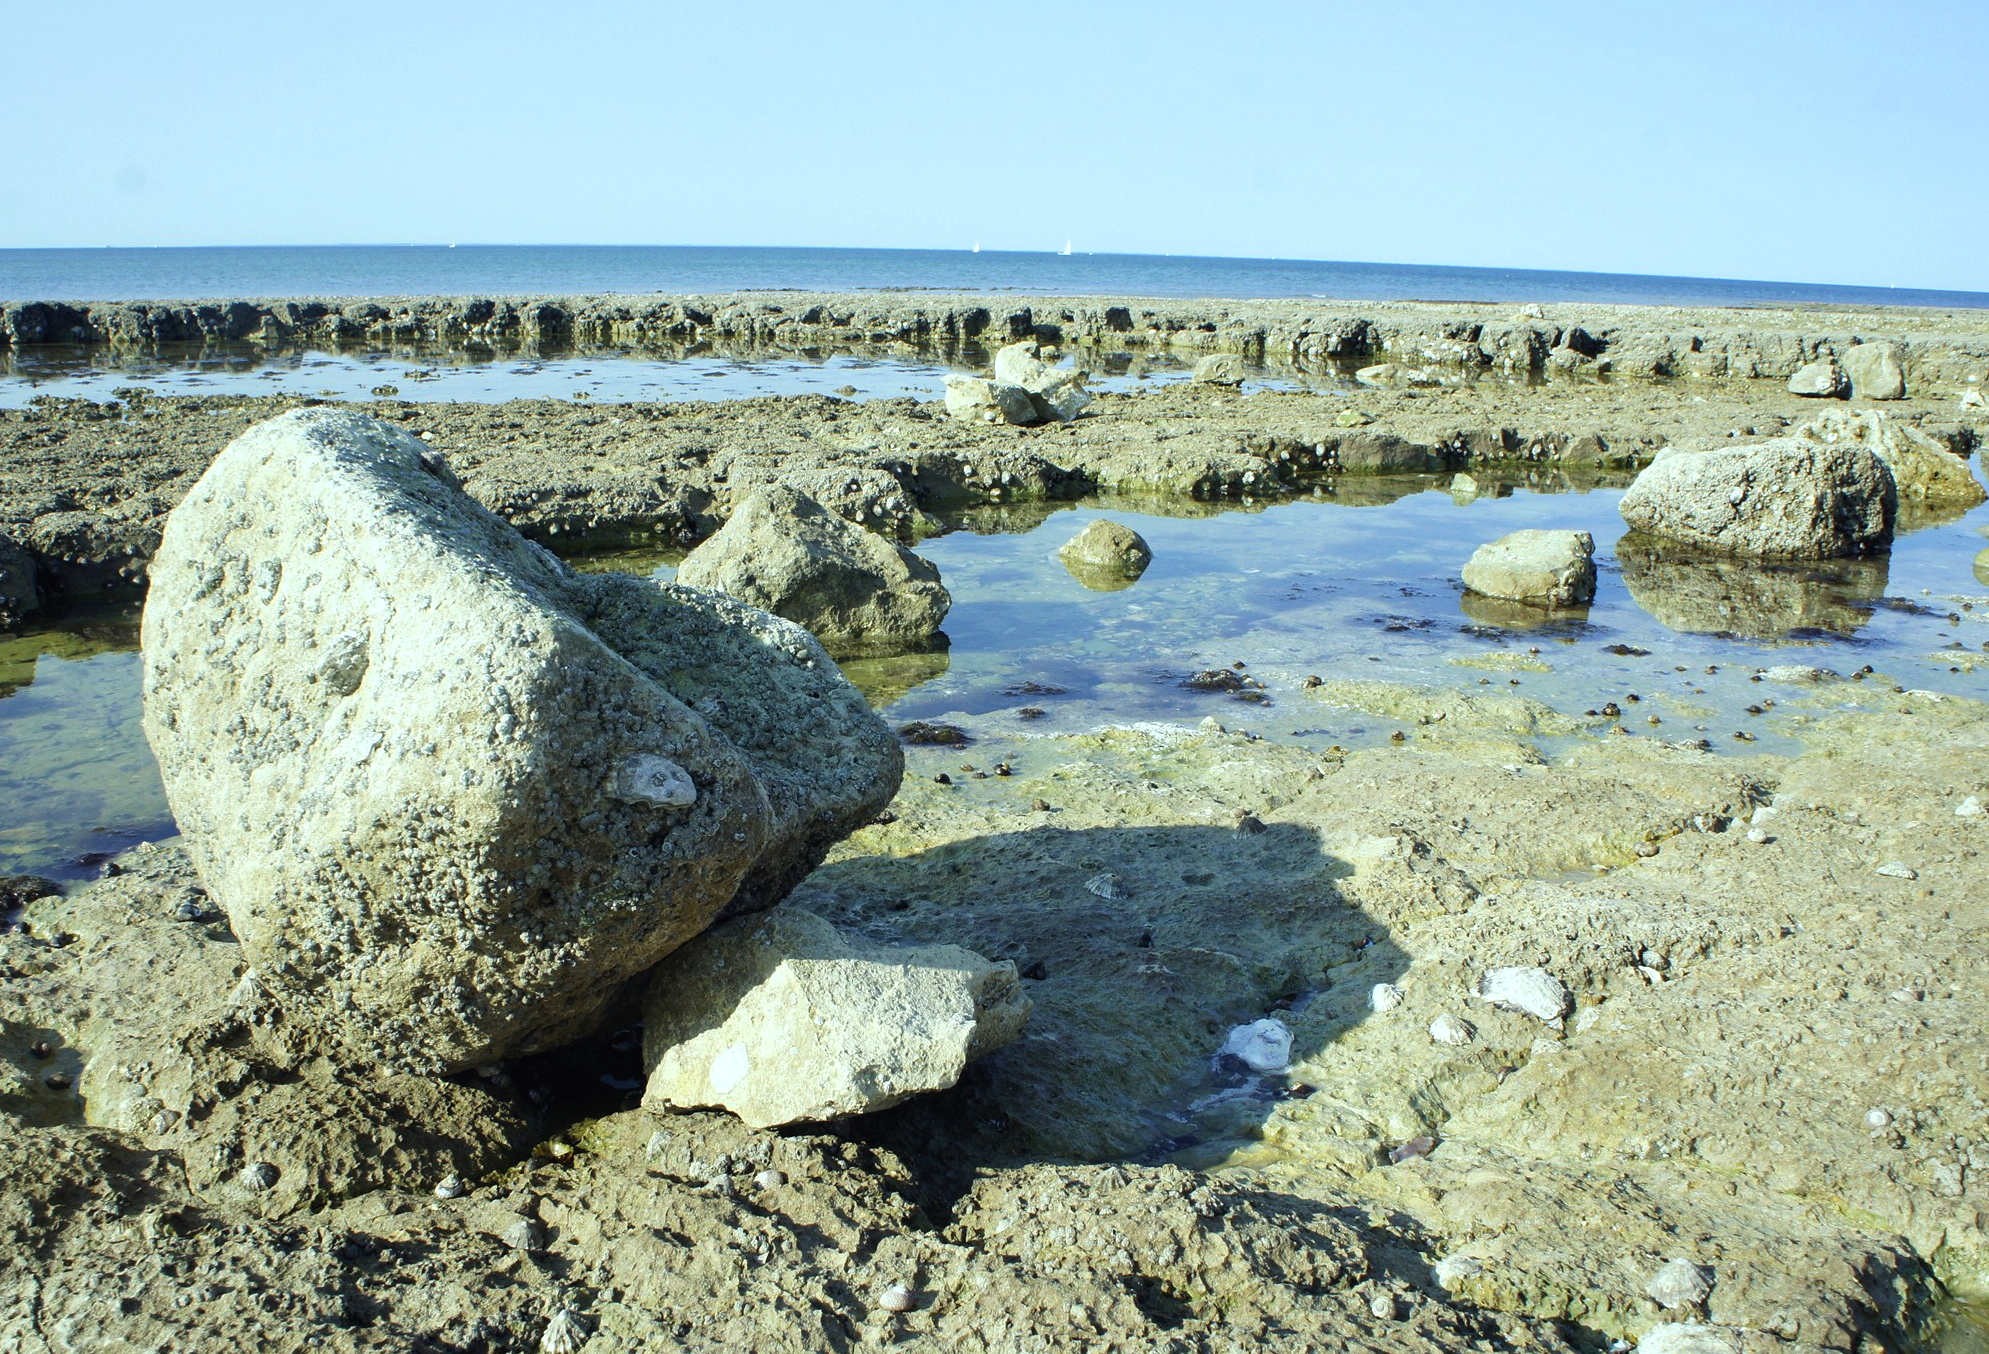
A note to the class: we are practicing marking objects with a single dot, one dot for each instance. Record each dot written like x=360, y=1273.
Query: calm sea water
x=413, y=270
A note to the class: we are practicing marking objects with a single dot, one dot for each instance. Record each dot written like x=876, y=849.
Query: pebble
x=769, y=1179
x=525, y=1235
x=1758, y=836
x=1897, y=869
x=1384, y=998
x=1417, y=1147
x=1679, y=1283
x=896, y=1298
x=1530, y=991
x=1448, y=1029
x=1646, y=849
x=1970, y=807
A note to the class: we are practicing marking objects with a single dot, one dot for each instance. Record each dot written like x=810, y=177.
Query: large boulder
x=1923, y=468
x=1057, y=392
x=1874, y=371
x=783, y=1018
x=1789, y=498
x=1822, y=379
x=1106, y=556
x=854, y=590
x=1540, y=568
x=450, y=794
x=20, y=598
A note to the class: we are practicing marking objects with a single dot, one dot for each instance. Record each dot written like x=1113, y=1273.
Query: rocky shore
x=442, y=1025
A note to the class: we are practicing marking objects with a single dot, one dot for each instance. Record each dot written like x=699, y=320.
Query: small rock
x=1449, y=1029
x=1874, y=371
x=449, y=1187
x=1688, y=1337
x=525, y=1235
x=1821, y=379
x=1416, y=1148
x=1452, y=1268
x=1222, y=369
x=1679, y=1283
x=1877, y=1119
x=897, y=1298
x=1530, y=991
x=565, y=1333
x=1105, y=555
x=769, y=1179
x=1758, y=836
x=1540, y=568
x=1897, y=869
x=1646, y=849
x=1970, y=807
x=1262, y=1045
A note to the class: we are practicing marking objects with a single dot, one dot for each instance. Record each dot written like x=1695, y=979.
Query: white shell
x=1448, y=1029
x=1263, y=1045
x=1970, y=807
x=1451, y=1268
x=564, y=1334
x=651, y=779
x=258, y=1176
x=1530, y=991
x=1897, y=869
x=896, y=1298
x=1679, y=1283
x=1384, y=1306
x=1384, y=998
x=1106, y=886
x=449, y=1187
x=525, y=1235
x=1876, y=1119
x=769, y=1179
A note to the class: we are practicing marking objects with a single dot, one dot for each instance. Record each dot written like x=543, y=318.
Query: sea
x=115, y=274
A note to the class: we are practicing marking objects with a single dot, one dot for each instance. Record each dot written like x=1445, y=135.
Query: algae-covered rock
x=783, y=1018
x=449, y=793
x=1543, y=568
x=19, y=597
x=1922, y=466
x=1789, y=498
x=852, y=589
x=1106, y=555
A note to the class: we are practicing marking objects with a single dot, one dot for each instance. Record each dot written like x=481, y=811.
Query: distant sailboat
x=977, y=246
x=1066, y=253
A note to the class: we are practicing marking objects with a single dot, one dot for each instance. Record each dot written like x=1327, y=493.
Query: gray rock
x=19, y=596
x=1106, y=556
x=1874, y=371
x=1057, y=392
x=1688, y=1337
x=978, y=400
x=783, y=1018
x=1923, y=467
x=1789, y=498
x=449, y=793
x=857, y=592
x=1821, y=379
x=1544, y=568
x=1220, y=369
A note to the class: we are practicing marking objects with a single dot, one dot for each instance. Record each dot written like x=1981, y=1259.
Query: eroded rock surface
x=1782, y=499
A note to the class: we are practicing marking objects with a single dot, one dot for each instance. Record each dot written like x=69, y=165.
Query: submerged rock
x=1789, y=498
x=1821, y=379
x=449, y=793
x=1542, y=568
x=19, y=596
x=784, y=1018
x=1106, y=556
x=854, y=590
x=1874, y=371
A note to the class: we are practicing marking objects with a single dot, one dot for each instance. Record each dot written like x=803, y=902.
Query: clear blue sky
x=1819, y=141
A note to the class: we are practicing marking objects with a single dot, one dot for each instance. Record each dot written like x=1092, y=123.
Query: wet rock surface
x=1106, y=555
x=1543, y=568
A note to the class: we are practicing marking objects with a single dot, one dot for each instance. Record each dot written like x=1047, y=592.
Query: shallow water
x=1361, y=584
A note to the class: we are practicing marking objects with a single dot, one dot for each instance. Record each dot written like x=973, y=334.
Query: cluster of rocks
x=1866, y=371
x=458, y=802
x=1025, y=390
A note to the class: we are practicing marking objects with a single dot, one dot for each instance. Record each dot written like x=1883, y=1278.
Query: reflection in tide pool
x=1362, y=585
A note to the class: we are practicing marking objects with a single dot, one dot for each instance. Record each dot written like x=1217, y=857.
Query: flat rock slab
x=450, y=794
x=1788, y=498
x=784, y=1018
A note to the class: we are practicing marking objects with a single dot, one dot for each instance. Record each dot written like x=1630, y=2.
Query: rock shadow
x=1141, y=948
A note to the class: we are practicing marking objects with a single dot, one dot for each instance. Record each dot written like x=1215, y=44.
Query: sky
x=1815, y=142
